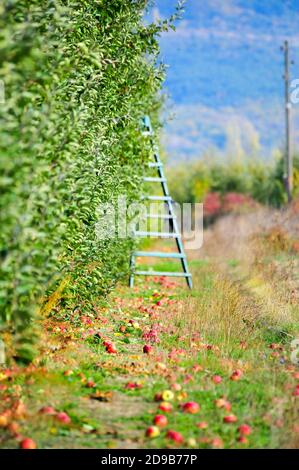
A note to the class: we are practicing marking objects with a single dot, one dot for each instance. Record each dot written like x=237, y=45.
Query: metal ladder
x=170, y=216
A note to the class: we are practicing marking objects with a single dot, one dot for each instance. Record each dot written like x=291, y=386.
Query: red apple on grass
x=217, y=442
x=165, y=406
x=47, y=410
x=236, y=375
x=111, y=349
x=242, y=440
x=191, y=407
x=67, y=373
x=176, y=387
x=230, y=419
x=160, y=421
x=223, y=403
x=175, y=436
x=202, y=425
x=63, y=417
x=244, y=430
x=152, y=432
x=27, y=443
x=90, y=383
x=147, y=349
x=158, y=396
x=217, y=379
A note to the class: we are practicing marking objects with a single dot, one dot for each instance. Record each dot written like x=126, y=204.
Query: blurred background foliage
x=226, y=183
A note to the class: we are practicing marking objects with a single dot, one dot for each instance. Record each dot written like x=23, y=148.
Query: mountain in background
x=224, y=78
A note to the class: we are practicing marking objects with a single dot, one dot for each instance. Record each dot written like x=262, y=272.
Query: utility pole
x=288, y=176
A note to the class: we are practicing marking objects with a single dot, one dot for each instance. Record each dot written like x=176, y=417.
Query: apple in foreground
x=236, y=375
x=191, y=407
x=217, y=379
x=160, y=421
x=202, y=425
x=111, y=349
x=147, y=349
x=152, y=432
x=47, y=410
x=230, y=419
x=63, y=418
x=175, y=436
x=165, y=406
x=244, y=430
x=27, y=443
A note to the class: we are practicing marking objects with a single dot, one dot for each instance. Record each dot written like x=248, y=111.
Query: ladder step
x=155, y=164
x=150, y=179
x=158, y=198
x=158, y=273
x=157, y=234
x=151, y=254
x=160, y=216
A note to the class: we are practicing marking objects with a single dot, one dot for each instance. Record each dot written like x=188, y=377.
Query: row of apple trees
x=75, y=78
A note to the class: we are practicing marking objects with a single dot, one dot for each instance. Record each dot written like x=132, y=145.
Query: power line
x=288, y=176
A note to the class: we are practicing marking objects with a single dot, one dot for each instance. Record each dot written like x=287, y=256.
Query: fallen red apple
x=90, y=384
x=223, y=403
x=158, y=396
x=67, y=373
x=217, y=379
x=217, y=442
x=3, y=420
x=202, y=425
x=236, y=375
x=152, y=431
x=197, y=368
x=27, y=443
x=160, y=421
x=19, y=409
x=176, y=387
x=47, y=410
x=242, y=440
x=147, y=349
x=165, y=406
x=191, y=407
x=14, y=428
x=63, y=417
x=175, y=436
x=244, y=430
x=111, y=349
x=230, y=419
x=133, y=385
x=107, y=343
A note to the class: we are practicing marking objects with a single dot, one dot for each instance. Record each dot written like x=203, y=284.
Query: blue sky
x=224, y=78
